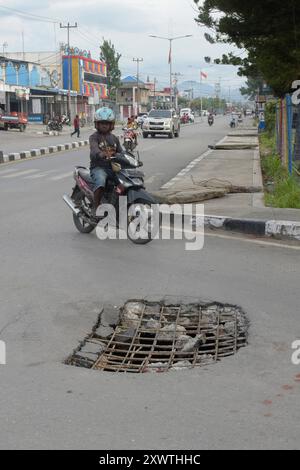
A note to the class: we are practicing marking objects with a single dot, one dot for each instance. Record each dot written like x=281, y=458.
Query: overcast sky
x=127, y=23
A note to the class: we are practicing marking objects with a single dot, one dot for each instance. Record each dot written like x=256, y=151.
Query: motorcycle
x=211, y=121
x=130, y=139
x=184, y=119
x=129, y=182
x=54, y=125
x=232, y=124
x=65, y=120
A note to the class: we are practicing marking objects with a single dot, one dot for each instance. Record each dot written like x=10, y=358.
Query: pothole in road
x=145, y=336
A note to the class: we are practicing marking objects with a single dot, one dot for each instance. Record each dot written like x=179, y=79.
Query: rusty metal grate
x=154, y=336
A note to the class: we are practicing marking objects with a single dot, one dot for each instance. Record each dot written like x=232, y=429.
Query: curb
x=11, y=157
x=280, y=229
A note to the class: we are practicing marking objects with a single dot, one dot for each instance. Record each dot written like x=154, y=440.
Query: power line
x=30, y=16
x=86, y=38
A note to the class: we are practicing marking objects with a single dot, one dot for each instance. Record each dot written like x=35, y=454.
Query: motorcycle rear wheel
x=79, y=220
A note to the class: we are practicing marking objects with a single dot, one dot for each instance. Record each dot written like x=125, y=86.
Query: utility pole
x=218, y=91
x=68, y=27
x=176, y=75
x=23, y=48
x=155, y=82
x=4, y=45
x=137, y=60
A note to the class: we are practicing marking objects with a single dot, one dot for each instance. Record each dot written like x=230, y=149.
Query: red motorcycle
x=130, y=139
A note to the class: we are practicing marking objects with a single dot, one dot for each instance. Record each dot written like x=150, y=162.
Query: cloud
x=128, y=24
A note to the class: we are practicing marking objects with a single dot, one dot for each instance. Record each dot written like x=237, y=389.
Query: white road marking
x=243, y=239
x=39, y=175
x=7, y=171
x=20, y=173
x=185, y=170
x=61, y=177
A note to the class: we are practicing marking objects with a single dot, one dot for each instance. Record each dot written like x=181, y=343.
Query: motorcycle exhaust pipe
x=70, y=204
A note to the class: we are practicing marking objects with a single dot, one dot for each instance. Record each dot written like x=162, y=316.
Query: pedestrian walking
x=76, y=126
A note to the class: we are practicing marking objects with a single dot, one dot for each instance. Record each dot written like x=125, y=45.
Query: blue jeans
x=99, y=177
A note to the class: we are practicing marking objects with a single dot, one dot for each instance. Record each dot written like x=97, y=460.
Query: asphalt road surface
x=54, y=282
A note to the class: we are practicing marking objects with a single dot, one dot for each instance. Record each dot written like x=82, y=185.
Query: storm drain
x=158, y=337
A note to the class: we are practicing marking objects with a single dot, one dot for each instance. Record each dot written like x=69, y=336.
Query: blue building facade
x=30, y=88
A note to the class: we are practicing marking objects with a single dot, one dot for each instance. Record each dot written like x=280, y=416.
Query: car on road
x=163, y=122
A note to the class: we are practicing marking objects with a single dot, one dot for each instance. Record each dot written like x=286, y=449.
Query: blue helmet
x=104, y=114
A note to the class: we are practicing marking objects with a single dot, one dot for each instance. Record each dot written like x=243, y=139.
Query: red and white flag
x=203, y=75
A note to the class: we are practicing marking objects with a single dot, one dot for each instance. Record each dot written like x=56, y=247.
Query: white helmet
x=104, y=114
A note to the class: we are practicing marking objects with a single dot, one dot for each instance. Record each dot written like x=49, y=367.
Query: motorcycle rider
x=233, y=121
x=132, y=124
x=103, y=146
x=210, y=118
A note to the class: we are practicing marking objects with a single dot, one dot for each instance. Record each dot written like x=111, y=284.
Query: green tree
x=109, y=55
x=269, y=32
x=252, y=88
x=183, y=102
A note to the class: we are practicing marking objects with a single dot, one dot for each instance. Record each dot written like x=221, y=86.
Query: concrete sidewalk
x=228, y=180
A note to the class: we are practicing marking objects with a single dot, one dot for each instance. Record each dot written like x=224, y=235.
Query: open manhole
x=158, y=337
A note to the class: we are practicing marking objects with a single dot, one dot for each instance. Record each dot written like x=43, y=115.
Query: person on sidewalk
x=76, y=126
x=103, y=146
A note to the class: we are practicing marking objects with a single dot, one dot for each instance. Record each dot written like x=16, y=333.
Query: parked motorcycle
x=54, y=125
x=130, y=139
x=129, y=181
x=65, y=120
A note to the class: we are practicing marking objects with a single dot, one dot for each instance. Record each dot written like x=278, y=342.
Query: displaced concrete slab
x=235, y=146
x=187, y=196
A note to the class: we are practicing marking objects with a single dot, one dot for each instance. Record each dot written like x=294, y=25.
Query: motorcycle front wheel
x=143, y=212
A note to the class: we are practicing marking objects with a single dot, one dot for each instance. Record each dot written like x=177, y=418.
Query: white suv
x=162, y=121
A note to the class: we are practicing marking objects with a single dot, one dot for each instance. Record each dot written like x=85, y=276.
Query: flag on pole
x=203, y=75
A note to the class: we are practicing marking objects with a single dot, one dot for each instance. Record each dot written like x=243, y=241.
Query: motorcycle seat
x=85, y=174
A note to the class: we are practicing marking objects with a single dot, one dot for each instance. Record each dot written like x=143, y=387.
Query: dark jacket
x=99, y=141
x=76, y=123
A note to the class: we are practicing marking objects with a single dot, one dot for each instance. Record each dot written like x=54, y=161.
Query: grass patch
x=286, y=194
x=281, y=189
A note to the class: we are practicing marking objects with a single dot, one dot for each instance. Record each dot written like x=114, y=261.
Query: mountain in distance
x=206, y=90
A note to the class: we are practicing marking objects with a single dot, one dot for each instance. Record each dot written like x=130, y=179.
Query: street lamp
x=170, y=55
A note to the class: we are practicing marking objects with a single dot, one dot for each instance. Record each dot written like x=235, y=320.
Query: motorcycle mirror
x=141, y=164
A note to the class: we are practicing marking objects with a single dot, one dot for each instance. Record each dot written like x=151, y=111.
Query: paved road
x=163, y=158
x=53, y=284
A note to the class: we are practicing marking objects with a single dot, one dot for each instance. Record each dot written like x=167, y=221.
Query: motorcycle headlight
x=131, y=160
